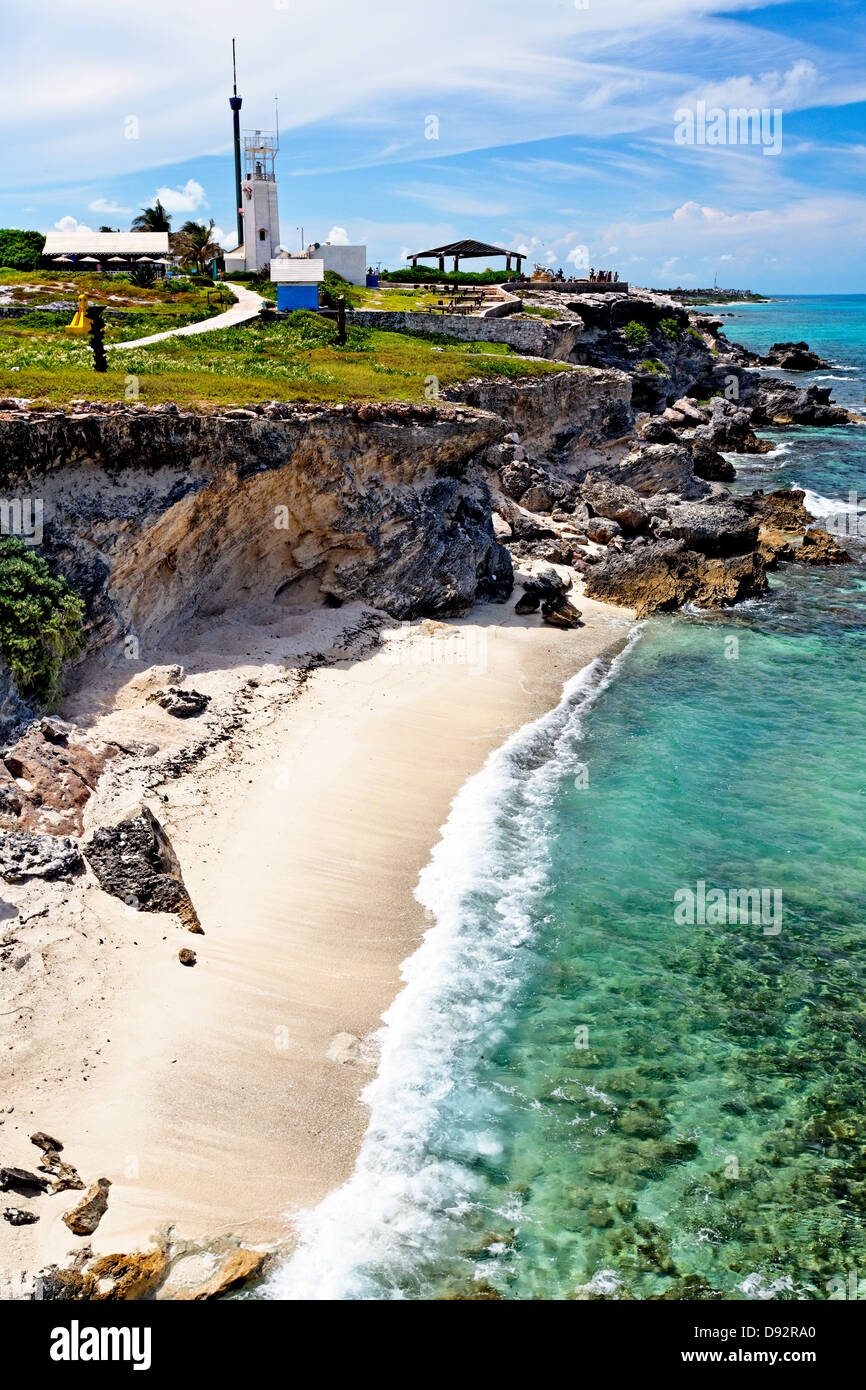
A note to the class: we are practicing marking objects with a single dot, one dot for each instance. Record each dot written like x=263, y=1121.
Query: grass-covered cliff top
x=295, y=359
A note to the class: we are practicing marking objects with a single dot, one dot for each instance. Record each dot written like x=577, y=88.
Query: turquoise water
x=583, y=1093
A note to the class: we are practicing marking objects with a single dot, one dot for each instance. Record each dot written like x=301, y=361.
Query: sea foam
x=403, y=1204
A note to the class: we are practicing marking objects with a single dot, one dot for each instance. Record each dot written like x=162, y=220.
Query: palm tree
x=194, y=245
x=154, y=219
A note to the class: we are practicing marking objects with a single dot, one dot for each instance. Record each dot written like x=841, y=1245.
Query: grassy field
x=406, y=297
x=297, y=359
x=167, y=304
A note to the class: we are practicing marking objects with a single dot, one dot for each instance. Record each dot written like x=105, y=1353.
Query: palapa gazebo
x=467, y=251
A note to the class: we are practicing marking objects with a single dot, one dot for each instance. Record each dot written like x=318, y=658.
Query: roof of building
x=467, y=249
x=105, y=243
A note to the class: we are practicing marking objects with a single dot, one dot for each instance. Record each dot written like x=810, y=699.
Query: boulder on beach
x=25, y=1183
x=183, y=704
x=559, y=611
x=16, y=1217
x=134, y=860
x=86, y=1215
x=24, y=856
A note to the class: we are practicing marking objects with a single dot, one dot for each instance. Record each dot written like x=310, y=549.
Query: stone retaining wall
x=530, y=337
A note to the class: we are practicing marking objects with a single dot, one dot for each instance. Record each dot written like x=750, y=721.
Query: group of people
x=610, y=277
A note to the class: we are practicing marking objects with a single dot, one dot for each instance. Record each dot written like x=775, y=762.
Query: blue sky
x=555, y=127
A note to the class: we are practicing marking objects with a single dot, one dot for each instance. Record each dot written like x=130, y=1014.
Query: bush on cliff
x=20, y=250
x=636, y=334
x=41, y=620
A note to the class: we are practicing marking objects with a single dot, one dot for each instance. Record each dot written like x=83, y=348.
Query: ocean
x=629, y=1060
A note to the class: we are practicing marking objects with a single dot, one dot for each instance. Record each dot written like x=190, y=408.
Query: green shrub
x=636, y=334
x=20, y=250
x=41, y=620
x=671, y=329
x=650, y=364
x=333, y=286
x=306, y=329
x=422, y=274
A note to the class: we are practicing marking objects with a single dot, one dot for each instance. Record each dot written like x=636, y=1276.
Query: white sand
x=207, y=1095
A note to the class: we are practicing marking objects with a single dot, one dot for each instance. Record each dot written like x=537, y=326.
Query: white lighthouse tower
x=261, y=219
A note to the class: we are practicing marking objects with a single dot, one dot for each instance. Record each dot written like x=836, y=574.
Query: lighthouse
x=255, y=193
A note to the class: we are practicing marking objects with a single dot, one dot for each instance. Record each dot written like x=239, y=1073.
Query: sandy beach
x=222, y=1098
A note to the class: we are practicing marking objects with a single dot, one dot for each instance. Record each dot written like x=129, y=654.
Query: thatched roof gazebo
x=467, y=251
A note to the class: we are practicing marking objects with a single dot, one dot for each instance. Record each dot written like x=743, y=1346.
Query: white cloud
x=696, y=232
x=617, y=66
x=338, y=236
x=790, y=90
x=71, y=224
x=187, y=199
x=108, y=207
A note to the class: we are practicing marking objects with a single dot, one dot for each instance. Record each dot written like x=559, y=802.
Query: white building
x=261, y=216
x=107, y=250
x=348, y=261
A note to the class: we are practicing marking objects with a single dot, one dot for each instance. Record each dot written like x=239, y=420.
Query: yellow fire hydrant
x=81, y=322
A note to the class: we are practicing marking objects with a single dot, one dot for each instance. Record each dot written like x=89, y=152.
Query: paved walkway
x=248, y=306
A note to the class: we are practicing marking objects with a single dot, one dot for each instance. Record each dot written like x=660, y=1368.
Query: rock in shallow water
x=660, y=578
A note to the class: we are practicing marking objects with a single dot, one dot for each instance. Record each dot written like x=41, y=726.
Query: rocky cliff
x=158, y=515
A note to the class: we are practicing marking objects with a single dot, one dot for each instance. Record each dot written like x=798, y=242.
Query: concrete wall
x=531, y=337
x=348, y=261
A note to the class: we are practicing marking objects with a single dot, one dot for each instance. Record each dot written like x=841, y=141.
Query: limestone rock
x=84, y=1218
x=613, y=500
x=730, y=428
x=560, y=612
x=820, y=548
x=772, y=401
x=601, y=530
x=129, y=1277
x=529, y=601
x=793, y=357
x=24, y=856
x=16, y=1217
x=657, y=430
x=19, y=1180
x=709, y=463
x=48, y=776
x=664, y=576
x=655, y=468
x=134, y=860
x=784, y=509
x=235, y=1270
x=183, y=704
x=66, y=1178
x=710, y=528
x=45, y=1142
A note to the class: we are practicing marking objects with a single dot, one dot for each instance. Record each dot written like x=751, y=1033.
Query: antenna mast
x=235, y=103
